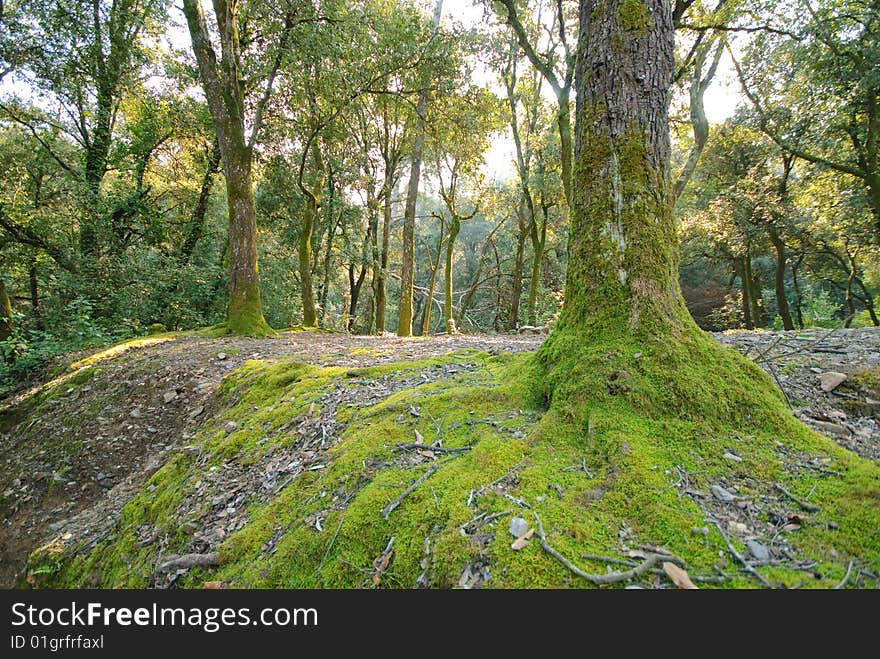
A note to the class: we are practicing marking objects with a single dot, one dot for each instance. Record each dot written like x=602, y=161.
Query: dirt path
x=92, y=447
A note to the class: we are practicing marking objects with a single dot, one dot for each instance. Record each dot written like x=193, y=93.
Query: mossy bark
x=622, y=295
x=224, y=92
x=6, y=325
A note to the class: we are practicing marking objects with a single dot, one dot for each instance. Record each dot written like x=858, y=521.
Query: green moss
x=532, y=425
x=245, y=314
x=635, y=16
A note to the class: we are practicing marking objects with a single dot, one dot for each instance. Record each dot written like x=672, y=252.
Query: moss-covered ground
x=606, y=441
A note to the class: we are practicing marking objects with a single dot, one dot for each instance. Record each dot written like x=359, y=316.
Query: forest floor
x=70, y=461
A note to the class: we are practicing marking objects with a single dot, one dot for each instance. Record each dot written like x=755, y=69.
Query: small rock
x=827, y=427
x=518, y=527
x=738, y=527
x=732, y=456
x=231, y=426
x=700, y=530
x=637, y=355
x=721, y=494
x=759, y=551
x=152, y=430
x=830, y=380
x=221, y=356
x=168, y=396
x=135, y=413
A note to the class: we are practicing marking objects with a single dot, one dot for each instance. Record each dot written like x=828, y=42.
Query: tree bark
x=6, y=324
x=516, y=279
x=382, y=278
x=781, y=259
x=223, y=88
x=623, y=247
x=35, y=295
x=448, y=318
x=407, y=270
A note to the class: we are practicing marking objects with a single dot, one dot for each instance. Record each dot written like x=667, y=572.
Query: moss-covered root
x=245, y=315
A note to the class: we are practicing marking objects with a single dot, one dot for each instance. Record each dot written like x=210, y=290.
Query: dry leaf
x=311, y=409
x=427, y=454
x=635, y=553
x=212, y=585
x=788, y=528
x=419, y=438
x=678, y=576
x=523, y=540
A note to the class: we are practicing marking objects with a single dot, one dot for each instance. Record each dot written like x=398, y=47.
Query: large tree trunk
x=623, y=251
x=223, y=88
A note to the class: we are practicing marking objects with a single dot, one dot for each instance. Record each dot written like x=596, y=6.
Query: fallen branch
x=739, y=557
x=186, y=562
x=599, y=579
x=387, y=510
x=806, y=505
x=429, y=447
x=845, y=579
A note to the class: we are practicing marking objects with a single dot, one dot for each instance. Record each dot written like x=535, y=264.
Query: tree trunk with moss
x=223, y=87
x=6, y=325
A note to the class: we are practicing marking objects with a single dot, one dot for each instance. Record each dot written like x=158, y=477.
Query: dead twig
x=387, y=510
x=806, y=505
x=186, y=562
x=598, y=579
x=845, y=579
x=739, y=557
x=431, y=447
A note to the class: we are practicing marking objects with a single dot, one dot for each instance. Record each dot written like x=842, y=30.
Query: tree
x=223, y=84
x=815, y=88
x=407, y=271
x=624, y=343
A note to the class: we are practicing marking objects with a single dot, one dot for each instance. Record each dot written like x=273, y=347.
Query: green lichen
x=634, y=16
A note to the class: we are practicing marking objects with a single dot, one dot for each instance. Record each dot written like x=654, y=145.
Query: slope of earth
x=330, y=460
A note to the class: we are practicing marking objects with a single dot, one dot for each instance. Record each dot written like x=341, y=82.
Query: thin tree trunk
x=382, y=277
x=434, y=265
x=354, y=292
x=197, y=219
x=6, y=324
x=448, y=318
x=407, y=272
x=33, y=286
x=516, y=282
x=798, y=297
x=781, y=258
